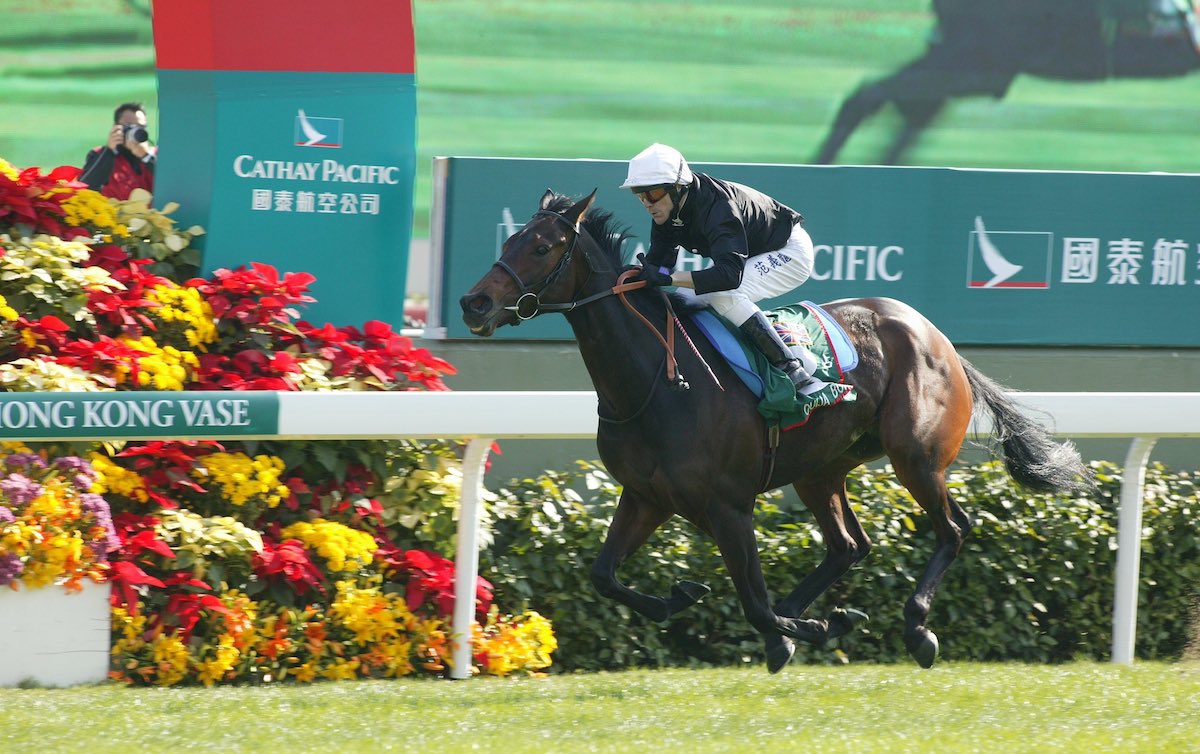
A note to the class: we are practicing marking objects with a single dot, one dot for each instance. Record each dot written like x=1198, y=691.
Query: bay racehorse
x=704, y=453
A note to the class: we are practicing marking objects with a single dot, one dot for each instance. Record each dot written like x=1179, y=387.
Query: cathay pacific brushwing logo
x=1008, y=259
x=312, y=131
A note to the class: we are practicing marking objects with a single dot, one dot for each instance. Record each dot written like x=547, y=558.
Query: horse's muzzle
x=480, y=313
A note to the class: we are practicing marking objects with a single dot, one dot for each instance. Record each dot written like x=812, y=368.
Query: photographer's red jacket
x=117, y=174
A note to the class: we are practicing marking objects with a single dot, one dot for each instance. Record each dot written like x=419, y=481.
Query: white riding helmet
x=658, y=165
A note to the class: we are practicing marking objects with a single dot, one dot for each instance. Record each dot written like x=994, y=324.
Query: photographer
x=126, y=161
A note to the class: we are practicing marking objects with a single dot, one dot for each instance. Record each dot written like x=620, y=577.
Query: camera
x=136, y=133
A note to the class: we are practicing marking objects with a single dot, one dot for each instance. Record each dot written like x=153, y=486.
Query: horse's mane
x=608, y=233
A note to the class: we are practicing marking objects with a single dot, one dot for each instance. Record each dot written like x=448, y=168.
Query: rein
x=529, y=305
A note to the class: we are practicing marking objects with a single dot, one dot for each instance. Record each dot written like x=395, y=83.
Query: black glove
x=655, y=275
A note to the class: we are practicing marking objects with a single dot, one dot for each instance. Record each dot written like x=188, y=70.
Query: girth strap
x=769, y=456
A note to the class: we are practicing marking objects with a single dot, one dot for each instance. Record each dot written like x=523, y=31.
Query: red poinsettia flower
x=138, y=539
x=257, y=296
x=183, y=610
x=35, y=200
x=288, y=562
x=102, y=356
x=376, y=351
x=166, y=466
x=431, y=580
x=124, y=309
x=49, y=335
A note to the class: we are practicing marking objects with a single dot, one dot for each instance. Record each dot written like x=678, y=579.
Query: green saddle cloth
x=780, y=404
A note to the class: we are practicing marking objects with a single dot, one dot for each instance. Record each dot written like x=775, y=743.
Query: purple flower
x=73, y=463
x=10, y=569
x=6, y=515
x=97, y=507
x=19, y=489
x=83, y=475
x=83, y=482
x=31, y=460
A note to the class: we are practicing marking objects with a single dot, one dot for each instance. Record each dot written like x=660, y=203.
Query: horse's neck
x=621, y=355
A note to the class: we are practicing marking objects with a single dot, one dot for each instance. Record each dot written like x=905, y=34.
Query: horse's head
x=538, y=269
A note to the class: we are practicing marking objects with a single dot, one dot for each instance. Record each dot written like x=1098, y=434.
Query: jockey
x=758, y=246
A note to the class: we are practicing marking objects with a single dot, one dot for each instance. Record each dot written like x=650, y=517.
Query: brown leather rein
x=529, y=305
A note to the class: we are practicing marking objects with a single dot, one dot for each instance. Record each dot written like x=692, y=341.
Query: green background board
x=200, y=414
x=360, y=259
x=911, y=234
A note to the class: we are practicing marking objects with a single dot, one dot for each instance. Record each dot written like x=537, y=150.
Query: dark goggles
x=650, y=194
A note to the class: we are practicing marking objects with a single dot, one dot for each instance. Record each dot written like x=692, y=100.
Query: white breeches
x=765, y=276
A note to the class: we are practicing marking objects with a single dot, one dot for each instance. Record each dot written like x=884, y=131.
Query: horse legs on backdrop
x=634, y=521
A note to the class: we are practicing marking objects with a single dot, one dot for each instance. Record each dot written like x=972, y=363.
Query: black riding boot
x=759, y=331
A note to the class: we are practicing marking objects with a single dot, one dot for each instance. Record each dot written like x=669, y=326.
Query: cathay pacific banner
x=990, y=256
x=292, y=140
x=129, y=415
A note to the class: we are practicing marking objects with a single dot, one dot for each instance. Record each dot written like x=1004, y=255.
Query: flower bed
x=232, y=561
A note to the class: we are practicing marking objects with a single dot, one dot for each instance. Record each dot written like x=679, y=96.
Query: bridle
x=530, y=293
x=529, y=305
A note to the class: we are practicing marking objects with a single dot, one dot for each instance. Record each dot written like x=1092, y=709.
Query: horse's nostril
x=477, y=304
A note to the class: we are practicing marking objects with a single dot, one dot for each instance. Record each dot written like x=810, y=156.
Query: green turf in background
x=721, y=80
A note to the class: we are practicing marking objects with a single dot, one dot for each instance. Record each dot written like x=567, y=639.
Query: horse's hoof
x=843, y=620
x=686, y=593
x=925, y=649
x=779, y=652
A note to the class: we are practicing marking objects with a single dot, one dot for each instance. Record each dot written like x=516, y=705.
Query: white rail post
x=466, y=560
x=1129, y=549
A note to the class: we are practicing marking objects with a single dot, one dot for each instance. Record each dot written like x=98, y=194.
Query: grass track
x=1082, y=707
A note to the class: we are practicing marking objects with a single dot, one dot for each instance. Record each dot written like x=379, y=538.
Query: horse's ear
x=546, y=199
x=577, y=211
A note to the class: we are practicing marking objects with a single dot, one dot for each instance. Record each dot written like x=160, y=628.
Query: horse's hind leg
x=950, y=525
x=922, y=427
x=845, y=544
x=634, y=521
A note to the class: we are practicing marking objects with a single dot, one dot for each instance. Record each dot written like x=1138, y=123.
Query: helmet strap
x=679, y=195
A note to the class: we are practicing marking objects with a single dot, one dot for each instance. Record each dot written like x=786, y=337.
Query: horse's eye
x=542, y=250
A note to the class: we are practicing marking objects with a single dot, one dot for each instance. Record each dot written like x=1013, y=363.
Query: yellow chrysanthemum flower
x=162, y=368
x=242, y=478
x=185, y=317
x=7, y=312
x=112, y=478
x=343, y=548
x=94, y=211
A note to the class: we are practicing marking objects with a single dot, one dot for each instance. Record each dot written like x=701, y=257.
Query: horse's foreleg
x=846, y=543
x=734, y=534
x=633, y=522
x=917, y=114
x=862, y=104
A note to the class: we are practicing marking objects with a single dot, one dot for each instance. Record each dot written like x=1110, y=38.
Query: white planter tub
x=54, y=637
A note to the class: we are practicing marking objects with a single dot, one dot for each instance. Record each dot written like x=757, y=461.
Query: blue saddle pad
x=804, y=325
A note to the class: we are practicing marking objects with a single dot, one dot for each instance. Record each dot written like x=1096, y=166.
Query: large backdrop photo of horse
x=979, y=48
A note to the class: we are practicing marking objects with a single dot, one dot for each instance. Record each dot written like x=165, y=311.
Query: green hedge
x=1034, y=581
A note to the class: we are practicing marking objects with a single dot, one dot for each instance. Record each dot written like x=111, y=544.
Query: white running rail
x=481, y=417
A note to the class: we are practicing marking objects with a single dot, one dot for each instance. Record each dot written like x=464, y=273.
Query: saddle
x=814, y=337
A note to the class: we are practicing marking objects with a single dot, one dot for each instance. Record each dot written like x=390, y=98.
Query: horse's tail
x=1031, y=456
